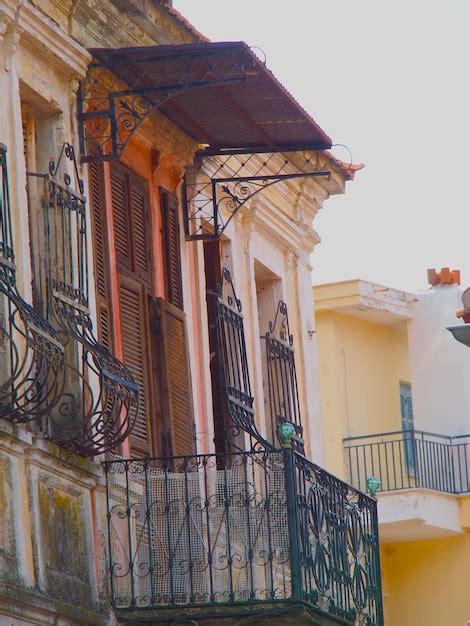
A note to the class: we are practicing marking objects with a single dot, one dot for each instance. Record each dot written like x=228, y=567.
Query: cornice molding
x=46, y=39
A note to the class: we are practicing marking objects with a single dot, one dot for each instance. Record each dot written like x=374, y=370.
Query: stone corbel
x=10, y=33
x=292, y=260
x=11, y=43
x=3, y=30
x=5, y=47
x=174, y=164
x=245, y=217
x=310, y=237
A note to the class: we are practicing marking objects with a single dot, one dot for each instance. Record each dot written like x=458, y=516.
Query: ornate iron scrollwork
x=116, y=96
x=282, y=377
x=266, y=527
x=32, y=359
x=234, y=363
x=216, y=187
x=98, y=409
x=339, y=546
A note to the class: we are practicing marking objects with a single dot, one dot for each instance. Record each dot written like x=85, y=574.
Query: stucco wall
x=361, y=366
x=426, y=582
x=439, y=363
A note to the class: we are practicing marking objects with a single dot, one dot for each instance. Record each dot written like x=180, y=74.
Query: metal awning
x=220, y=94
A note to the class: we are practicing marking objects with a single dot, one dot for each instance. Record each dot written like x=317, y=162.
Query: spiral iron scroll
x=32, y=359
x=339, y=546
x=234, y=364
x=282, y=377
x=101, y=414
x=116, y=98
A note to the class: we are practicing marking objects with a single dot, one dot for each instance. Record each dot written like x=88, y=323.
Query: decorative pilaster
x=11, y=42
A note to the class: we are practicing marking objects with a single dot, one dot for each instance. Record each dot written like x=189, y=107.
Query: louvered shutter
x=121, y=216
x=101, y=254
x=407, y=424
x=171, y=247
x=136, y=357
x=141, y=242
x=176, y=378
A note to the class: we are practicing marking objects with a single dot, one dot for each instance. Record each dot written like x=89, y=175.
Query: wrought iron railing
x=32, y=359
x=97, y=408
x=234, y=368
x=252, y=527
x=282, y=378
x=407, y=459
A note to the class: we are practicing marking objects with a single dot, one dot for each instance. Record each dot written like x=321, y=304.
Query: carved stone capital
x=3, y=32
x=11, y=41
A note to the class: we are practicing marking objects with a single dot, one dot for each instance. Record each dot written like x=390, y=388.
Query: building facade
x=395, y=403
x=158, y=391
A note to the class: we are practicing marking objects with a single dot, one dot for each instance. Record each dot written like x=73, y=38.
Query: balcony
x=54, y=373
x=424, y=477
x=255, y=531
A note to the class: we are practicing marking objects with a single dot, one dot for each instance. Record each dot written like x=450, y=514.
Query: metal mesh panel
x=197, y=531
x=245, y=527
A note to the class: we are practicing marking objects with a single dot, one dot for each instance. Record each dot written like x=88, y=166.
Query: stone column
x=302, y=326
x=11, y=133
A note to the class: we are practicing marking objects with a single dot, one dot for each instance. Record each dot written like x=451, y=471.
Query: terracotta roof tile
x=347, y=169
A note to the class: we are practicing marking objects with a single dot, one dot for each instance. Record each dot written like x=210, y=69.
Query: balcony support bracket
x=216, y=187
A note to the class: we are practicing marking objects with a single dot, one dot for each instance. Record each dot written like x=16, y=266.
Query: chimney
x=445, y=277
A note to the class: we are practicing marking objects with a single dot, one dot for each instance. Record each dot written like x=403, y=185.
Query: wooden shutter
x=407, y=424
x=101, y=253
x=132, y=230
x=171, y=247
x=176, y=378
x=121, y=216
x=136, y=357
x=140, y=216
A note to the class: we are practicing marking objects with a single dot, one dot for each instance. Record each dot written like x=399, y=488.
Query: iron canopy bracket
x=217, y=186
x=117, y=96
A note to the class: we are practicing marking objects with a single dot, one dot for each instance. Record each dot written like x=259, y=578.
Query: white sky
x=391, y=80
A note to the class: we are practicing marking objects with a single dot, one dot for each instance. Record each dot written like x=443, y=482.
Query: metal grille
x=98, y=407
x=216, y=187
x=198, y=530
x=248, y=527
x=439, y=462
x=339, y=546
x=32, y=358
x=282, y=377
x=234, y=363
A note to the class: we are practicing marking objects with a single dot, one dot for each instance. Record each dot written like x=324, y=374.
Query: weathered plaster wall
x=48, y=533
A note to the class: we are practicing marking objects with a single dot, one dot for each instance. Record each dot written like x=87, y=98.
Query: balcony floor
x=265, y=614
x=416, y=514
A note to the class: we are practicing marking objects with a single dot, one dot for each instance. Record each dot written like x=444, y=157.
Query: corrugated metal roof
x=252, y=114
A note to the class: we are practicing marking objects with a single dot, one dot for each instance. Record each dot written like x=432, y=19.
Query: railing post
x=293, y=524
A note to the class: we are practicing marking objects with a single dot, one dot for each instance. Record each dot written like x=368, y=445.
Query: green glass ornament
x=286, y=432
x=373, y=484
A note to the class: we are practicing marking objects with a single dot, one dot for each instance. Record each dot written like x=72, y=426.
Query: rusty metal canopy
x=220, y=94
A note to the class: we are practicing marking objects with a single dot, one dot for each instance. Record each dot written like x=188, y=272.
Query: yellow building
x=395, y=407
